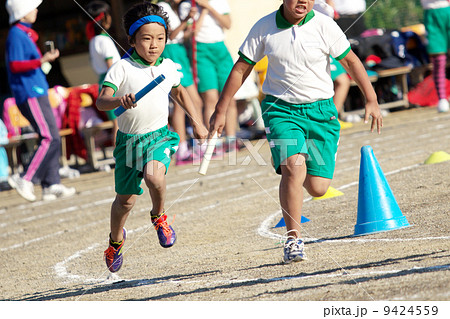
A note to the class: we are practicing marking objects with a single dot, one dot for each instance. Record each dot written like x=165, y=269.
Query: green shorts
x=336, y=69
x=177, y=53
x=311, y=129
x=437, y=24
x=133, y=152
x=214, y=64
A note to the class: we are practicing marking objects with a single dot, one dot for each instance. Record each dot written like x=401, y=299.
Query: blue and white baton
x=119, y=111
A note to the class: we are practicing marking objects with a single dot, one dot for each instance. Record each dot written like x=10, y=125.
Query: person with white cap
x=29, y=86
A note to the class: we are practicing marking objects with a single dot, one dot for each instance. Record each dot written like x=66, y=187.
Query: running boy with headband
x=301, y=120
x=144, y=144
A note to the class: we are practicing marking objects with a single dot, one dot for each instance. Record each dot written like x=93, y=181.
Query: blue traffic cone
x=282, y=223
x=378, y=210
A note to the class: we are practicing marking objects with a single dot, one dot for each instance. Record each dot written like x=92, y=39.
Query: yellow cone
x=331, y=192
x=345, y=125
x=438, y=157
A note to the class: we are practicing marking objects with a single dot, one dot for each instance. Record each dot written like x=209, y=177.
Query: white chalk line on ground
x=61, y=271
x=205, y=208
x=264, y=229
x=24, y=209
x=109, y=200
x=85, y=206
x=61, y=267
x=54, y=234
x=342, y=158
x=348, y=185
x=214, y=177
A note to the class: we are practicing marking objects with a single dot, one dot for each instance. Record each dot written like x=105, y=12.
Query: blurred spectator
x=339, y=76
x=214, y=62
x=3, y=157
x=437, y=24
x=25, y=63
x=349, y=16
x=102, y=50
x=176, y=51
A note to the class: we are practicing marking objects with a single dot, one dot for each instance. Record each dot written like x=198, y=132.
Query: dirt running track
x=227, y=248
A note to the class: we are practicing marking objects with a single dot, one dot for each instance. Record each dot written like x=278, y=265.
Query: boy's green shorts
x=214, y=64
x=133, y=152
x=177, y=53
x=311, y=129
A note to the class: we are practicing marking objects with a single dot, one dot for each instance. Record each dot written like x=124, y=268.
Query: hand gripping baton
x=118, y=111
x=208, y=154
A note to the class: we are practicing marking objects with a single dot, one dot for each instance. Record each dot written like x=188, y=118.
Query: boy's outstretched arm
x=238, y=75
x=106, y=100
x=181, y=96
x=355, y=68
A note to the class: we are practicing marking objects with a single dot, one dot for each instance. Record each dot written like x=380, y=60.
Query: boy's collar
x=282, y=23
x=136, y=58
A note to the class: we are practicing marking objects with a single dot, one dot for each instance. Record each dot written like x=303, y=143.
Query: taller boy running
x=301, y=120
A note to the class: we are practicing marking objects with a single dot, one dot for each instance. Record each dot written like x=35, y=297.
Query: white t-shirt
x=348, y=7
x=211, y=31
x=152, y=110
x=299, y=64
x=101, y=48
x=174, y=22
x=434, y=4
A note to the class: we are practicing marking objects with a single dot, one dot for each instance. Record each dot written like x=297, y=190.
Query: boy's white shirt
x=152, y=110
x=211, y=31
x=174, y=22
x=299, y=64
x=434, y=4
x=102, y=47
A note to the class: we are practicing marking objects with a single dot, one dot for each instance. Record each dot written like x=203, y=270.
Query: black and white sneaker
x=293, y=250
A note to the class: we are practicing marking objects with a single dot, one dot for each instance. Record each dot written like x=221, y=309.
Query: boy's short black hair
x=141, y=10
x=95, y=8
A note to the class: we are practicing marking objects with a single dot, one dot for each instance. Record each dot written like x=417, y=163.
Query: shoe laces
x=161, y=222
x=109, y=252
x=286, y=236
x=293, y=244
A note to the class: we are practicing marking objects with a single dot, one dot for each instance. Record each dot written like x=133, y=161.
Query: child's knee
x=156, y=180
x=294, y=166
x=125, y=203
x=317, y=186
x=317, y=190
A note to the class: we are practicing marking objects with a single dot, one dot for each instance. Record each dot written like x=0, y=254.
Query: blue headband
x=145, y=20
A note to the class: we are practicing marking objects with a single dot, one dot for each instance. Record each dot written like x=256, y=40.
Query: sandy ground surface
x=227, y=248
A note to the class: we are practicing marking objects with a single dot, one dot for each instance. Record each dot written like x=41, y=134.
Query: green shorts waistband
x=274, y=99
x=150, y=135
